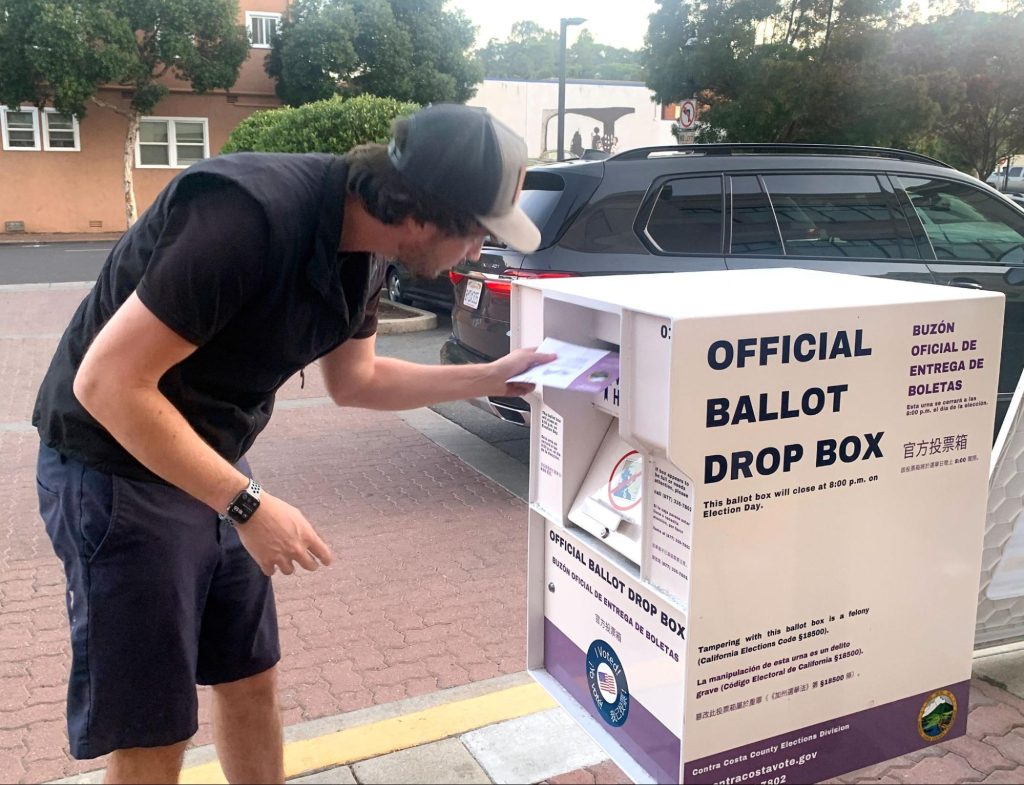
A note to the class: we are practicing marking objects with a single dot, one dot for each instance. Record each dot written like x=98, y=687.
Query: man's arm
x=356, y=376
x=117, y=383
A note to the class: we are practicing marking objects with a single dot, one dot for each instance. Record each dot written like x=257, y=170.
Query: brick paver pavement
x=428, y=591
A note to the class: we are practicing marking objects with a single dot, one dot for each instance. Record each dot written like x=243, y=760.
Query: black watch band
x=244, y=505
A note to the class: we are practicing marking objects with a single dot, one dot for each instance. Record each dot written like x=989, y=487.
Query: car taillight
x=455, y=278
x=504, y=286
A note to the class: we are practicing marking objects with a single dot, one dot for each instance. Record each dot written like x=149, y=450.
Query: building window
x=262, y=28
x=171, y=142
x=20, y=128
x=60, y=132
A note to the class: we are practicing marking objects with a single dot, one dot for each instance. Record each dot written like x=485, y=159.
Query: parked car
x=401, y=286
x=1011, y=184
x=867, y=211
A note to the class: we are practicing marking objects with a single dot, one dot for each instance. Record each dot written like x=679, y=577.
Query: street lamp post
x=561, y=81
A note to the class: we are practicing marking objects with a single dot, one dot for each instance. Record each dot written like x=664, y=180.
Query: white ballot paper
x=577, y=368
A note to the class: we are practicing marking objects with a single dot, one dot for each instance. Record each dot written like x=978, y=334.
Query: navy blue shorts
x=161, y=596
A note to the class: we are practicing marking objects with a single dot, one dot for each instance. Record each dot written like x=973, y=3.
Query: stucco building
x=615, y=115
x=59, y=174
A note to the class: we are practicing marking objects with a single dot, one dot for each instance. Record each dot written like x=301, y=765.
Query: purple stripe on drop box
x=651, y=744
x=813, y=753
x=831, y=748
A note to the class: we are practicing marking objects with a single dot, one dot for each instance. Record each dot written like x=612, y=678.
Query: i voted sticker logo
x=608, y=685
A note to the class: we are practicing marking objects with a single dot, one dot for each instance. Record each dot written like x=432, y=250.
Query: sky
x=612, y=22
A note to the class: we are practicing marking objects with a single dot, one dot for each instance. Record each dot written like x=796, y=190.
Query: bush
x=335, y=125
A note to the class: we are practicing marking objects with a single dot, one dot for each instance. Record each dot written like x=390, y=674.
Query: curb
x=418, y=321
x=331, y=742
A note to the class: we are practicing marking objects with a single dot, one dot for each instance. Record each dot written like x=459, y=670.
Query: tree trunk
x=828, y=28
x=130, y=207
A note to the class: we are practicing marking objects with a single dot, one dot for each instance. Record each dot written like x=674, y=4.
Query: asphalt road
x=28, y=263
x=51, y=263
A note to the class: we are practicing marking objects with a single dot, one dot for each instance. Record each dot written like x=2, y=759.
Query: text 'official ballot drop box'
x=756, y=559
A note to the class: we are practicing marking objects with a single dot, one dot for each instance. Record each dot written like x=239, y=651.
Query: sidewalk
x=404, y=661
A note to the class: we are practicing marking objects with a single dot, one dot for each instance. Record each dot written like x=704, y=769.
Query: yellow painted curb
x=399, y=733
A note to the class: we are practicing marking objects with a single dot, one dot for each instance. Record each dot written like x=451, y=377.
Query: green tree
x=972, y=65
x=442, y=66
x=410, y=50
x=587, y=59
x=334, y=125
x=61, y=52
x=787, y=70
x=531, y=52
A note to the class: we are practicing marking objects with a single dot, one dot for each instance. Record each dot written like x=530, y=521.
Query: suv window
x=541, y=192
x=753, y=224
x=964, y=223
x=687, y=216
x=1015, y=172
x=539, y=204
x=847, y=215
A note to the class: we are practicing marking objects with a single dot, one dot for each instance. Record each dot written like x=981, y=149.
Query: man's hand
x=278, y=535
x=513, y=364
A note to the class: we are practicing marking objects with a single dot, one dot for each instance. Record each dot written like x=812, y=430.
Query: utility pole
x=561, y=81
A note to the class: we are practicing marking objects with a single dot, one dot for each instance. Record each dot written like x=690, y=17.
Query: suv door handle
x=965, y=283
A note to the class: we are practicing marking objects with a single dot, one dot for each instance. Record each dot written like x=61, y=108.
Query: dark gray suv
x=868, y=211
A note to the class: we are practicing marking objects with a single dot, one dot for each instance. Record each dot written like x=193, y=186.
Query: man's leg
x=138, y=558
x=146, y=764
x=247, y=728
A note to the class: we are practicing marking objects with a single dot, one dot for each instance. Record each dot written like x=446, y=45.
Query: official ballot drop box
x=756, y=557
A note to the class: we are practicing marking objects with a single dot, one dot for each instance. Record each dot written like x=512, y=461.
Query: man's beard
x=420, y=264
x=421, y=269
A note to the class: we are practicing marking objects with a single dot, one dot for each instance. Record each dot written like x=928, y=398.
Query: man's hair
x=390, y=199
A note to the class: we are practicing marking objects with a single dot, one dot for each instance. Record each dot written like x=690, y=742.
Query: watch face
x=243, y=507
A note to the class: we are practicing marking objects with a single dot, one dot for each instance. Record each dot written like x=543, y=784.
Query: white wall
x=521, y=105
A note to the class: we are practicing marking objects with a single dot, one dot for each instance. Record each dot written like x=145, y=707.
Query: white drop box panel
x=779, y=575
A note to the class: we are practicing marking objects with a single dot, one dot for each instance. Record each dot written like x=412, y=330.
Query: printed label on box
x=549, y=465
x=671, y=529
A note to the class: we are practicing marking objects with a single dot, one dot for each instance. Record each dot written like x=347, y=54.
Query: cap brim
x=514, y=228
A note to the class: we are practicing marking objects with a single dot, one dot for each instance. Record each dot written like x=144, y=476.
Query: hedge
x=335, y=125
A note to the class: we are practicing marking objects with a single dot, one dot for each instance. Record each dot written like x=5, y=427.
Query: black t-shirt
x=209, y=273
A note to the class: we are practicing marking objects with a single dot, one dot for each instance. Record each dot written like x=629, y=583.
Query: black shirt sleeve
x=370, y=319
x=208, y=261
x=369, y=325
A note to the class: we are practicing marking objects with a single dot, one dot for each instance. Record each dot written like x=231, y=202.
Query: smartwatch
x=245, y=504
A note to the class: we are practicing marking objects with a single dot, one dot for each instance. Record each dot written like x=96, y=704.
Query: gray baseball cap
x=474, y=163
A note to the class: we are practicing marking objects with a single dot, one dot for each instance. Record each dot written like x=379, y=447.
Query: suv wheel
x=395, y=287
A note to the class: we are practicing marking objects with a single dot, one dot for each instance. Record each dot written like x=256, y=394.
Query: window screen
x=687, y=217
x=60, y=131
x=21, y=129
x=844, y=215
x=262, y=30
